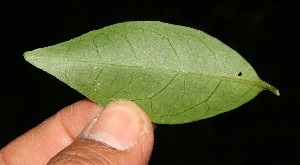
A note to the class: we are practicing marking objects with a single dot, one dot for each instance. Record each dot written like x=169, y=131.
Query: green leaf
x=176, y=74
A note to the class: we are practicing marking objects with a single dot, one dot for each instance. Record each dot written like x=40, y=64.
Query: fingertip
x=120, y=125
x=121, y=134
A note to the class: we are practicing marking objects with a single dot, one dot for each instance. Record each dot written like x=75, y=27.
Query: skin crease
x=59, y=141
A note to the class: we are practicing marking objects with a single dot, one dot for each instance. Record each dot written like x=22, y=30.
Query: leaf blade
x=176, y=74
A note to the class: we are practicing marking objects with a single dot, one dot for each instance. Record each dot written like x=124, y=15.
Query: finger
x=41, y=143
x=122, y=134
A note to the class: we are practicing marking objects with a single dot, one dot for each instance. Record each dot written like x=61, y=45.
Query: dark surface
x=263, y=131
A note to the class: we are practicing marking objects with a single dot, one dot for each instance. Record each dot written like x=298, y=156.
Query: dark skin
x=59, y=139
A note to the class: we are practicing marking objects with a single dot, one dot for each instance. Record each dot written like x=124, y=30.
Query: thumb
x=121, y=134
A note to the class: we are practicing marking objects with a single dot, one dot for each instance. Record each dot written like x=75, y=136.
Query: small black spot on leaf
x=239, y=74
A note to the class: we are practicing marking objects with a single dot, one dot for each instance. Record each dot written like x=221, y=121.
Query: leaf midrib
x=260, y=84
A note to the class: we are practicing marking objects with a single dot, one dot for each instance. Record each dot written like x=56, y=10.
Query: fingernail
x=118, y=126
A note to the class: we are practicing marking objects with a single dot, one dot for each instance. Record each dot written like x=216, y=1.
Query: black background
x=263, y=131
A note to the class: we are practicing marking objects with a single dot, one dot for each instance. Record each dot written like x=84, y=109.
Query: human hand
x=85, y=133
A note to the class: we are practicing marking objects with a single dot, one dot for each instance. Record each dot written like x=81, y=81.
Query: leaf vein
x=96, y=47
x=164, y=86
x=129, y=43
x=125, y=86
x=240, y=98
x=176, y=54
x=204, y=101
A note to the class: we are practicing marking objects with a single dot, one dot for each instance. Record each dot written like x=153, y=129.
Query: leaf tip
x=27, y=55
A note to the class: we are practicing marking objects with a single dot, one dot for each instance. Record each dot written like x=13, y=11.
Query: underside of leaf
x=176, y=74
